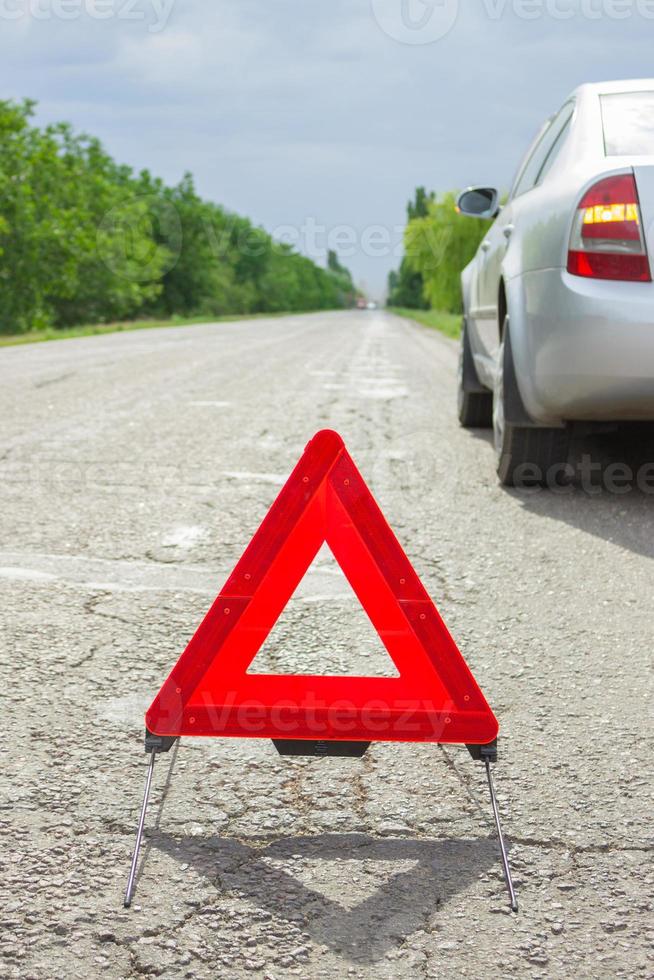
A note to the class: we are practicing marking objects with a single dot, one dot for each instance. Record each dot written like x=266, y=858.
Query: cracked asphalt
x=135, y=468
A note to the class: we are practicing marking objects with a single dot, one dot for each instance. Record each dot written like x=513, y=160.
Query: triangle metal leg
x=139, y=833
x=505, y=860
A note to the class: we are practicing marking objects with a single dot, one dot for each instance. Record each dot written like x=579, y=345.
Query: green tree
x=405, y=287
x=342, y=280
x=56, y=260
x=84, y=239
x=438, y=246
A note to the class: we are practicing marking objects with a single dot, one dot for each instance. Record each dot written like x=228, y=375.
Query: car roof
x=616, y=87
x=586, y=146
x=587, y=143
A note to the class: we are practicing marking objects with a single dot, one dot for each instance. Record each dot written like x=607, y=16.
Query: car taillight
x=607, y=239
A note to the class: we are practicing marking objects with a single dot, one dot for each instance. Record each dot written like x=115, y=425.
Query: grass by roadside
x=90, y=330
x=447, y=323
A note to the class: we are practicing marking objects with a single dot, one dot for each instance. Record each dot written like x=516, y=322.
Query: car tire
x=527, y=456
x=474, y=403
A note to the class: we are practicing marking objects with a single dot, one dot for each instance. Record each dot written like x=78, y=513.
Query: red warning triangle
x=209, y=692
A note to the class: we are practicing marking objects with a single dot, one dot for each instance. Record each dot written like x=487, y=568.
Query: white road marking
x=383, y=390
x=111, y=575
x=26, y=575
x=321, y=584
x=184, y=536
x=211, y=404
x=275, y=478
x=126, y=712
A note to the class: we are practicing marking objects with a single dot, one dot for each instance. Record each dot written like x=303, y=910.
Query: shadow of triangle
x=401, y=904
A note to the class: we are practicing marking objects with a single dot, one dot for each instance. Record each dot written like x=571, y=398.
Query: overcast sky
x=317, y=118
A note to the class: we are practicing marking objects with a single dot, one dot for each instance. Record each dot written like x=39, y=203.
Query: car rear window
x=628, y=120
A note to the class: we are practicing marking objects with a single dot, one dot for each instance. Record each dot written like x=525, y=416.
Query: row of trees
x=84, y=239
x=438, y=243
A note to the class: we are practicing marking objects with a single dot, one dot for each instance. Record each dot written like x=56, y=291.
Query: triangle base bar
x=320, y=748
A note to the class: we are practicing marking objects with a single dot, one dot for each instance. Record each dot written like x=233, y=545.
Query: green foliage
x=55, y=190
x=83, y=239
x=346, y=291
x=438, y=246
x=405, y=287
x=419, y=207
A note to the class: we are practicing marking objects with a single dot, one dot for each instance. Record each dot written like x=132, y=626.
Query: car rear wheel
x=526, y=455
x=474, y=402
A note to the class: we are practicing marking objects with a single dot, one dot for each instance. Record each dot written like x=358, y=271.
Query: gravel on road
x=135, y=468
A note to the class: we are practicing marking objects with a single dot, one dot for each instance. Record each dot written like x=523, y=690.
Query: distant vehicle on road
x=361, y=303
x=371, y=305
x=559, y=301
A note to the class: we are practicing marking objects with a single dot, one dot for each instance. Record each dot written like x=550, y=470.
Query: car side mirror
x=479, y=202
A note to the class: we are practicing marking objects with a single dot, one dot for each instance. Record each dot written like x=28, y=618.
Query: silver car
x=559, y=300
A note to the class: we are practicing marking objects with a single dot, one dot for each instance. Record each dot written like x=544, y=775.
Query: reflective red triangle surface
x=209, y=692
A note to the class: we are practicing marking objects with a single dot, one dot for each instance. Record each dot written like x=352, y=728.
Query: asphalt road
x=135, y=468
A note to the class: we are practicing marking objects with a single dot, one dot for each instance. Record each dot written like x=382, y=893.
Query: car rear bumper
x=583, y=349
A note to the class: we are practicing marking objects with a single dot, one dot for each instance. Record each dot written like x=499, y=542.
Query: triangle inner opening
x=324, y=630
